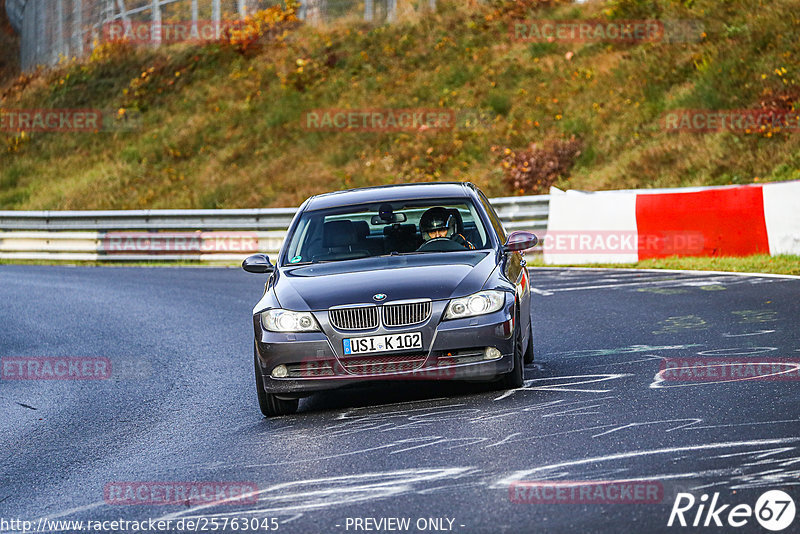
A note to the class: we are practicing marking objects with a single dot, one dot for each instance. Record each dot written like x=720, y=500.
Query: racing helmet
x=436, y=219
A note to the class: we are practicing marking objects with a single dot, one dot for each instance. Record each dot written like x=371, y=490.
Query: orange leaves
x=535, y=169
x=272, y=22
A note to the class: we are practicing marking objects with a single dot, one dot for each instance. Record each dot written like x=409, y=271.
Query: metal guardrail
x=182, y=235
x=255, y=219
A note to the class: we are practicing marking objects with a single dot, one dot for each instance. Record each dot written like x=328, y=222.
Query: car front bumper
x=452, y=350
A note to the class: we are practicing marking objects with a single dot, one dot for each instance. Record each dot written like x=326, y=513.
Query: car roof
x=390, y=193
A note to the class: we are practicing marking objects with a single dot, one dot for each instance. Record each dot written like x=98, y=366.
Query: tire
x=516, y=378
x=271, y=406
x=529, y=349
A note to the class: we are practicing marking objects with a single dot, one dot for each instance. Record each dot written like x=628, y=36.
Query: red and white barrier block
x=782, y=216
x=628, y=226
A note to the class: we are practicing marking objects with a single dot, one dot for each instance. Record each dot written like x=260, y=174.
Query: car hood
x=433, y=275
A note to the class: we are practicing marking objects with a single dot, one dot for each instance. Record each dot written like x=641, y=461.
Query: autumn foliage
x=534, y=169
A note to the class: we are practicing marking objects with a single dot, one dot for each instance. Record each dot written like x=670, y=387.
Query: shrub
x=634, y=9
x=523, y=8
x=263, y=25
x=535, y=169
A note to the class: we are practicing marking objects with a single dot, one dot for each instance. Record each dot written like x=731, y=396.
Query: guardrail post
x=24, y=39
x=77, y=27
x=195, y=16
x=369, y=10
x=216, y=16
x=156, y=20
x=58, y=49
x=40, y=29
x=126, y=20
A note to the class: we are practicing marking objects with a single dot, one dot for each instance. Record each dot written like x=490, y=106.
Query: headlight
x=479, y=303
x=288, y=321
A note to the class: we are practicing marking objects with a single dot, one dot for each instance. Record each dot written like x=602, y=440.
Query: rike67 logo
x=774, y=510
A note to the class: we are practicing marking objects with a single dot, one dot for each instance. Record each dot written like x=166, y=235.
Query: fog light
x=280, y=372
x=491, y=353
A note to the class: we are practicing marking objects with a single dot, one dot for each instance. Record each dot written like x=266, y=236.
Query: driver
x=439, y=223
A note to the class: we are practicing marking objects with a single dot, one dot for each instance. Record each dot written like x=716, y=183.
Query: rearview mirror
x=258, y=263
x=388, y=218
x=519, y=241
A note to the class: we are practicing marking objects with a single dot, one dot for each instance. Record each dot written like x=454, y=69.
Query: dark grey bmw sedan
x=405, y=282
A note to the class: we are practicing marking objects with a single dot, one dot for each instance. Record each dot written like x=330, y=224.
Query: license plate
x=363, y=345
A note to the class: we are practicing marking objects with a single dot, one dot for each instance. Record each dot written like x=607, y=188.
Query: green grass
x=750, y=264
x=222, y=128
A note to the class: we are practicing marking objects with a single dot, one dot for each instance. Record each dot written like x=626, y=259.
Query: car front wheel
x=529, y=349
x=516, y=378
x=271, y=406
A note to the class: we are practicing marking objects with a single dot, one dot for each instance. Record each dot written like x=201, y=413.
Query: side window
x=493, y=218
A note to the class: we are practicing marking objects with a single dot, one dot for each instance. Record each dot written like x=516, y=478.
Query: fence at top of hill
x=53, y=30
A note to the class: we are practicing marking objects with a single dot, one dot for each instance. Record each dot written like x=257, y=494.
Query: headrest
x=362, y=229
x=459, y=221
x=338, y=234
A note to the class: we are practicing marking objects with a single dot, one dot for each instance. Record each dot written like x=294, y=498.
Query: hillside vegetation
x=221, y=124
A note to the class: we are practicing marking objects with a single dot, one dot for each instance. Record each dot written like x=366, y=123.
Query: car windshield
x=402, y=227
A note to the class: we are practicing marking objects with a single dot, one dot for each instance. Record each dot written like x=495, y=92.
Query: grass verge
x=751, y=264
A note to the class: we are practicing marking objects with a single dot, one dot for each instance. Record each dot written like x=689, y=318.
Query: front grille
x=358, y=318
x=378, y=365
x=311, y=369
x=406, y=314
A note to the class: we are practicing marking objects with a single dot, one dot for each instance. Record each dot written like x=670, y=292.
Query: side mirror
x=258, y=263
x=519, y=241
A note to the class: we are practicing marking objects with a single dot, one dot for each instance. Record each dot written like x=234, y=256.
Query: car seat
x=340, y=242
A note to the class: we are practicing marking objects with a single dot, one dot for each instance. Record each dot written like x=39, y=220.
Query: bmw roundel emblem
x=379, y=297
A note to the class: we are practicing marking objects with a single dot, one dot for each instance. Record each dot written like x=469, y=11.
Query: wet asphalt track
x=181, y=406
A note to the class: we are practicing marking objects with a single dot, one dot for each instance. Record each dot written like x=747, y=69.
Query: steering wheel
x=440, y=244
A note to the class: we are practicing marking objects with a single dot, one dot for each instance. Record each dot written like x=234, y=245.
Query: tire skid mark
x=301, y=496
x=734, y=478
